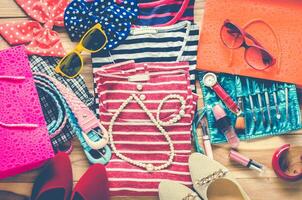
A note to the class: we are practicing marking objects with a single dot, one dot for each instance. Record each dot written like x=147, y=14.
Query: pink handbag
x=24, y=140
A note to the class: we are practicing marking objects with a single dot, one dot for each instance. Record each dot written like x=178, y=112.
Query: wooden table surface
x=259, y=187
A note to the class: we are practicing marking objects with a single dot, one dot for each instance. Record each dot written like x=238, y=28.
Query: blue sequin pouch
x=269, y=108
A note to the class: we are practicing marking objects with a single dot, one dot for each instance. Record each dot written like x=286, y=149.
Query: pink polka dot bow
x=38, y=35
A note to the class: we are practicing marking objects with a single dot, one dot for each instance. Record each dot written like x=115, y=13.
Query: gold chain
x=190, y=196
x=218, y=174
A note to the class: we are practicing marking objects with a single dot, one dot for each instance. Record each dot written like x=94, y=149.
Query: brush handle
x=268, y=107
x=286, y=102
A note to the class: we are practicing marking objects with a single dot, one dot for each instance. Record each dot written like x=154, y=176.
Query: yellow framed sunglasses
x=94, y=40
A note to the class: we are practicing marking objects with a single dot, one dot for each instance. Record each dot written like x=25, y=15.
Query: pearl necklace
x=158, y=123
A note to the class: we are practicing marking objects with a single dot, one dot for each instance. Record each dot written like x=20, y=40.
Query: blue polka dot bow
x=115, y=16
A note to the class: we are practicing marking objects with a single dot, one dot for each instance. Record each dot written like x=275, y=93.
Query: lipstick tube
x=224, y=125
x=206, y=141
x=247, y=162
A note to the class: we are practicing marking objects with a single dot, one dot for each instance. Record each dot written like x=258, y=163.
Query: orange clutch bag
x=275, y=24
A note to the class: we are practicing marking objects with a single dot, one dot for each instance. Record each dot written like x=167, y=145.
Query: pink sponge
x=21, y=148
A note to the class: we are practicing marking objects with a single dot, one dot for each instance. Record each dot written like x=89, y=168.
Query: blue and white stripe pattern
x=155, y=44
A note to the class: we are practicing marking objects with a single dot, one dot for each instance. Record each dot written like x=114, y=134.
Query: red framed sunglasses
x=255, y=55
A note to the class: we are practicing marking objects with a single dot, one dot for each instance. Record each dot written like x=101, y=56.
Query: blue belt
x=94, y=156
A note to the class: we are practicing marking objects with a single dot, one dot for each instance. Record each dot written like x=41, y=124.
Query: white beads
x=139, y=86
x=182, y=113
x=178, y=116
x=142, y=97
x=148, y=166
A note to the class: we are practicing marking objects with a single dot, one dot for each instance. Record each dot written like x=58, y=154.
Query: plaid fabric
x=77, y=85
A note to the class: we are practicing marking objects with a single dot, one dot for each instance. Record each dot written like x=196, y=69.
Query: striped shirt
x=134, y=134
x=164, y=12
x=155, y=44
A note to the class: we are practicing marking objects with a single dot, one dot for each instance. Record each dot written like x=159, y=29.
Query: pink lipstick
x=223, y=123
x=206, y=141
x=247, y=162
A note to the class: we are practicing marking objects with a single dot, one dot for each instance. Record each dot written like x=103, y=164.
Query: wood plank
x=257, y=189
x=9, y=8
x=271, y=189
x=264, y=150
x=25, y=189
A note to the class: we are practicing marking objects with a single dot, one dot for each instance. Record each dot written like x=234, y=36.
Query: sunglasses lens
x=231, y=36
x=71, y=64
x=258, y=58
x=94, y=40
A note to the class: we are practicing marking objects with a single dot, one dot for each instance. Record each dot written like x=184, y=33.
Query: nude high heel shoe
x=212, y=181
x=171, y=190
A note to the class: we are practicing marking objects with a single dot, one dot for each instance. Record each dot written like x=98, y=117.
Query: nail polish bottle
x=223, y=123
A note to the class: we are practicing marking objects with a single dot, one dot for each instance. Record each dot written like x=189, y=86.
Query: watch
x=210, y=80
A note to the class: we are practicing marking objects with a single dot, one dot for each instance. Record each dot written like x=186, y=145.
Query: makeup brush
x=240, y=122
x=251, y=100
